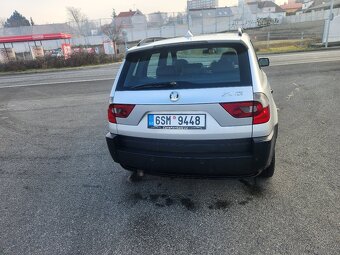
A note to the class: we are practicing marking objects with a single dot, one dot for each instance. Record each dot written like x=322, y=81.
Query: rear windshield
x=187, y=66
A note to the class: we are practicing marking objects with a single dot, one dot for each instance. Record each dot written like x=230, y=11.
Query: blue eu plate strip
x=151, y=120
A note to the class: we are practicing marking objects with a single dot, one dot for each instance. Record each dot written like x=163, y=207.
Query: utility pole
x=202, y=15
x=330, y=18
x=243, y=13
x=215, y=20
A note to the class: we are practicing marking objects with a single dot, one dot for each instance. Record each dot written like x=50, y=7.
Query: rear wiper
x=155, y=85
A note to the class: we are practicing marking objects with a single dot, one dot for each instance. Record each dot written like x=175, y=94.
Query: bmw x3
x=197, y=106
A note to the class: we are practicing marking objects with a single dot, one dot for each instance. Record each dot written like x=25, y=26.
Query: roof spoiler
x=150, y=40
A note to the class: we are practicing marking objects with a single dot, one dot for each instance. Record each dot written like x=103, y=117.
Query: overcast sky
x=54, y=11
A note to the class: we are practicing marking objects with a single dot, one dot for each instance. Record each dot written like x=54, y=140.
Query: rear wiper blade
x=155, y=85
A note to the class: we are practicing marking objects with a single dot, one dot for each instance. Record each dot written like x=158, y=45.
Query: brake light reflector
x=258, y=109
x=119, y=111
x=239, y=109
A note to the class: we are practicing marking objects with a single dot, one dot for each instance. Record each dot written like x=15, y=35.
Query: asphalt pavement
x=107, y=72
x=61, y=193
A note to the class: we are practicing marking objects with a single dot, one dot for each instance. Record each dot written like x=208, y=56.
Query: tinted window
x=194, y=66
x=152, y=65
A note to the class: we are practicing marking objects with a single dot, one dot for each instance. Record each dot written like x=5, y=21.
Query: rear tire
x=136, y=176
x=269, y=171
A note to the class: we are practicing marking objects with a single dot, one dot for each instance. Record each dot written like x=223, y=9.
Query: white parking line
x=54, y=83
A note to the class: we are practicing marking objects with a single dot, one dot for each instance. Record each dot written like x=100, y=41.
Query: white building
x=131, y=19
x=201, y=4
x=157, y=18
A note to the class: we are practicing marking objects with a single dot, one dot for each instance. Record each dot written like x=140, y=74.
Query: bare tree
x=2, y=22
x=112, y=31
x=75, y=15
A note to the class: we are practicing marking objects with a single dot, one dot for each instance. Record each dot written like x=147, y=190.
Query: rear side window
x=187, y=66
x=153, y=65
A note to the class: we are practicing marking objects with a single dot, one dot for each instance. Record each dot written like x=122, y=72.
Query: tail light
x=119, y=111
x=257, y=109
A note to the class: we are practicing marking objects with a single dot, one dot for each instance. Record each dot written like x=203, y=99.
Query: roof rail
x=150, y=40
x=240, y=31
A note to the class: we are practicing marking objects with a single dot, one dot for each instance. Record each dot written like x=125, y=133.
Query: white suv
x=197, y=106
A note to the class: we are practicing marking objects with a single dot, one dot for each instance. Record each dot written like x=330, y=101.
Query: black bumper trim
x=227, y=158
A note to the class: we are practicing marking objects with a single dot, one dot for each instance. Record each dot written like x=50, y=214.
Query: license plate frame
x=151, y=121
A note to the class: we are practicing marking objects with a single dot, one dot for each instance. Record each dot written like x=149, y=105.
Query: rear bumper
x=215, y=158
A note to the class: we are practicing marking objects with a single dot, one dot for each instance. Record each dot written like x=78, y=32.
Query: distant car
x=55, y=53
x=197, y=106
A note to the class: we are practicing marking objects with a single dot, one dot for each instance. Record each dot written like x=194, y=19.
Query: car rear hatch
x=200, y=91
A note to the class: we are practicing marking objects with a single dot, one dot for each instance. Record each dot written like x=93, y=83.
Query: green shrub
x=76, y=60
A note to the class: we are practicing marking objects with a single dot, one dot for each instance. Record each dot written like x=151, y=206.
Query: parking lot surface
x=61, y=193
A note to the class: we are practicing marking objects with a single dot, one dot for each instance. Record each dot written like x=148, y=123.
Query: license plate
x=177, y=121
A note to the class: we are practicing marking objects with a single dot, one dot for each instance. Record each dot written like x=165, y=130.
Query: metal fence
x=208, y=21
x=261, y=27
x=310, y=16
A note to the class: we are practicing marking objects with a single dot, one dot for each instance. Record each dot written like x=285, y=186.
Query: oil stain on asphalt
x=188, y=204
x=161, y=200
x=244, y=202
x=220, y=205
